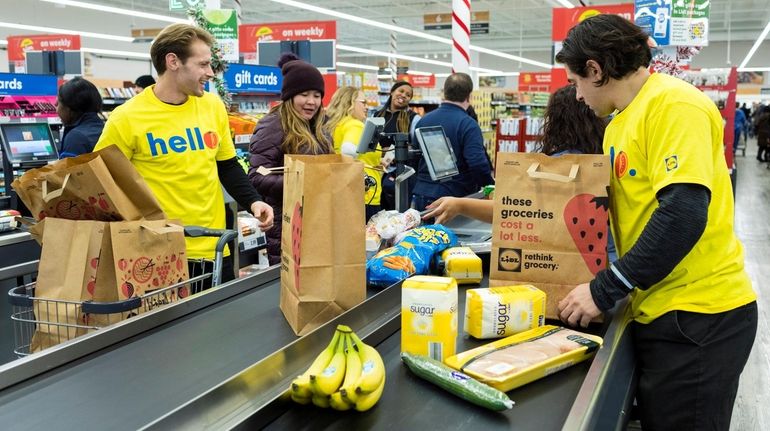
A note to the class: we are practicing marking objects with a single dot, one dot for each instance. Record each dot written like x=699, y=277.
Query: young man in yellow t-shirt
x=177, y=136
x=672, y=218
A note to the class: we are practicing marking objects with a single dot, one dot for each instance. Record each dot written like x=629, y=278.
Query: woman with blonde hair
x=345, y=123
x=295, y=126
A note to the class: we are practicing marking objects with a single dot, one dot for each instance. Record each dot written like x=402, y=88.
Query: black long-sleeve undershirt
x=237, y=184
x=672, y=231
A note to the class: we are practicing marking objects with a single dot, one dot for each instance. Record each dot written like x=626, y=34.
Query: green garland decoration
x=217, y=64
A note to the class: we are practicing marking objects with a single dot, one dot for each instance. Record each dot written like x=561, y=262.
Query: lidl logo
x=193, y=141
x=671, y=163
x=509, y=260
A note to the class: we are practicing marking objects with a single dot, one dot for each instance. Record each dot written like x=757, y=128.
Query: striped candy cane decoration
x=461, y=36
x=392, y=60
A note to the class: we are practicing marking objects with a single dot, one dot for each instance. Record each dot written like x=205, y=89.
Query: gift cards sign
x=247, y=78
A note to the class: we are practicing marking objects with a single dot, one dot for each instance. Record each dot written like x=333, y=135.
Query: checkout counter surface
x=223, y=360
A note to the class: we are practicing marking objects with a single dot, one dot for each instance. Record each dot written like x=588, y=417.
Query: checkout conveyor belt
x=223, y=360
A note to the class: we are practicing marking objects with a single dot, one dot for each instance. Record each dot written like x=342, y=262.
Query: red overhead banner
x=250, y=34
x=535, y=81
x=423, y=81
x=566, y=18
x=18, y=45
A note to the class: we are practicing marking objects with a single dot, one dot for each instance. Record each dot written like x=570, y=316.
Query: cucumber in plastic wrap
x=459, y=384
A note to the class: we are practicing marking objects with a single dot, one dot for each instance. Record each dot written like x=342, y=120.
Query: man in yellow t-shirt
x=177, y=136
x=672, y=217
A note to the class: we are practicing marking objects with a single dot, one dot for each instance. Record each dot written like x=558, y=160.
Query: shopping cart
x=69, y=319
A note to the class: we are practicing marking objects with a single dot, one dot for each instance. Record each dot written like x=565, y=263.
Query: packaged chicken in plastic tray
x=519, y=359
x=388, y=224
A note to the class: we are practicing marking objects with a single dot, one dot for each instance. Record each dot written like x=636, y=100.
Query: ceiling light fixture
x=3, y=42
x=418, y=73
x=500, y=74
x=408, y=57
x=357, y=66
x=403, y=30
x=754, y=48
x=565, y=3
x=754, y=69
x=116, y=53
x=63, y=31
x=117, y=10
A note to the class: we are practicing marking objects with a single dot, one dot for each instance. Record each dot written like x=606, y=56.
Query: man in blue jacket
x=467, y=143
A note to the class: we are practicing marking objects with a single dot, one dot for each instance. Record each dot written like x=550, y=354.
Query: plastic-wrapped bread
x=519, y=359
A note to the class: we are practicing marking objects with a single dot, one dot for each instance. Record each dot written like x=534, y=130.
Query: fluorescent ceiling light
x=500, y=74
x=129, y=54
x=408, y=57
x=63, y=31
x=754, y=48
x=403, y=30
x=565, y=3
x=357, y=66
x=418, y=72
x=117, y=10
x=3, y=42
x=744, y=69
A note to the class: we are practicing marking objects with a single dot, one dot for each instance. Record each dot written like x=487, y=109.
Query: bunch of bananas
x=348, y=374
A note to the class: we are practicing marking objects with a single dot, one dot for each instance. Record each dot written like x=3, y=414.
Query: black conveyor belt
x=139, y=379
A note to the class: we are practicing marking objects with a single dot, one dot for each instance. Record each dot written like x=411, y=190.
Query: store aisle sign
x=19, y=45
x=248, y=78
x=566, y=18
x=534, y=81
x=654, y=16
x=223, y=24
x=690, y=22
x=419, y=81
x=22, y=84
x=250, y=34
x=443, y=21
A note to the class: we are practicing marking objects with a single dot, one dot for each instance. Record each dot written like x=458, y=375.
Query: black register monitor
x=437, y=152
x=28, y=142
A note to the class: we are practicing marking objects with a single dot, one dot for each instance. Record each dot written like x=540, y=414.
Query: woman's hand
x=443, y=209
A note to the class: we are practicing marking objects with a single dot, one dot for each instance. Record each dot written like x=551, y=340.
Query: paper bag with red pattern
x=145, y=256
x=102, y=185
x=323, y=255
x=550, y=221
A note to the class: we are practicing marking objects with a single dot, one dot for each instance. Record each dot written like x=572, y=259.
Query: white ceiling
x=518, y=27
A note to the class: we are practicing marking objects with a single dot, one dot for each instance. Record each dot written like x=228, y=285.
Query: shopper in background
x=345, y=117
x=79, y=106
x=143, y=82
x=739, y=126
x=398, y=119
x=464, y=134
x=177, y=135
x=763, y=134
x=671, y=206
x=295, y=126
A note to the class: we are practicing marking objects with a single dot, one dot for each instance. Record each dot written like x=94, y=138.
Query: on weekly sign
x=250, y=34
x=19, y=45
x=566, y=18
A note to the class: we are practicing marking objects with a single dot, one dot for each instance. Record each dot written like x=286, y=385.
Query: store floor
x=752, y=224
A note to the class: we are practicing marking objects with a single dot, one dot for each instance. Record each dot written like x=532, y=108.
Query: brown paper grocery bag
x=550, y=222
x=145, y=256
x=95, y=186
x=67, y=272
x=323, y=256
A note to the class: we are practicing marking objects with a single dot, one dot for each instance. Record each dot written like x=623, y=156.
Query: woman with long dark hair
x=79, y=106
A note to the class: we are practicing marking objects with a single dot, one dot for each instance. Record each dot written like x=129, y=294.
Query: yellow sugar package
x=429, y=316
x=525, y=357
x=462, y=264
x=497, y=312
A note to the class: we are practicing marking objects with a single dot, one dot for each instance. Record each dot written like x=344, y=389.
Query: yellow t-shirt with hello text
x=175, y=148
x=350, y=130
x=672, y=133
